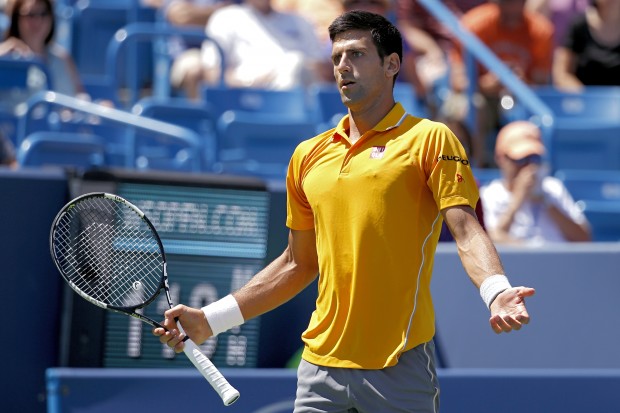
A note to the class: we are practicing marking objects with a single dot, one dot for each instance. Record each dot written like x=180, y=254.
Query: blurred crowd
x=283, y=44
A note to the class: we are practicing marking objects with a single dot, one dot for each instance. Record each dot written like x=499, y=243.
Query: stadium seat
x=594, y=185
x=130, y=140
x=155, y=38
x=604, y=217
x=182, y=112
x=485, y=175
x=258, y=145
x=19, y=78
x=289, y=104
x=23, y=73
x=589, y=145
x=73, y=150
x=593, y=103
x=91, y=26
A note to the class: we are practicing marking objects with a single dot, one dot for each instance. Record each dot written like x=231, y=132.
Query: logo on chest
x=377, y=152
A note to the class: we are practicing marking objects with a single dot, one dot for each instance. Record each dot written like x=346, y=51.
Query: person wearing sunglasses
x=31, y=35
x=525, y=205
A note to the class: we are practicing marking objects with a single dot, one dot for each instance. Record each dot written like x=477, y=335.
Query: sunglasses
x=36, y=15
x=535, y=159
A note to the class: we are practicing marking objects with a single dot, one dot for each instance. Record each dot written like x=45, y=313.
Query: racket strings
x=107, y=252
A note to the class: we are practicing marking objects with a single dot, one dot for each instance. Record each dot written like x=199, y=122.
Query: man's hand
x=194, y=324
x=508, y=310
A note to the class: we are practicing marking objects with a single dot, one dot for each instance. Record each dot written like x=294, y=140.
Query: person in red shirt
x=523, y=40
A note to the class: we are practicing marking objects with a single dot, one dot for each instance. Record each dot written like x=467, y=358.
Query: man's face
x=359, y=71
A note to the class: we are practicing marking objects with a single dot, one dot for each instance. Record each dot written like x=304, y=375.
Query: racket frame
x=228, y=393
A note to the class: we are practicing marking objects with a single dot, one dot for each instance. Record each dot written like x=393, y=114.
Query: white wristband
x=493, y=286
x=223, y=314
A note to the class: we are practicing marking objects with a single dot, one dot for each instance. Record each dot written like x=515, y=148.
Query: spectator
x=522, y=40
x=525, y=205
x=31, y=34
x=318, y=12
x=560, y=12
x=263, y=48
x=430, y=40
x=187, y=72
x=590, y=53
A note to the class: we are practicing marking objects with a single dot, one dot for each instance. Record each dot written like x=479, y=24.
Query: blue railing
x=541, y=113
x=182, y=136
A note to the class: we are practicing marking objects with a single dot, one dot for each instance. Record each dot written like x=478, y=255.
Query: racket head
x=108, y=252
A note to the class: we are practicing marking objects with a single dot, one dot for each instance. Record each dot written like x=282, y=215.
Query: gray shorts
x=410, y=386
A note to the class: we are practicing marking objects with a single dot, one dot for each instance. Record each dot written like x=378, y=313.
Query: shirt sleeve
x=450, y=177
x=299, y=215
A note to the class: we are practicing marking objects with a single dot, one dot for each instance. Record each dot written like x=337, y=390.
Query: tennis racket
x=109, y=253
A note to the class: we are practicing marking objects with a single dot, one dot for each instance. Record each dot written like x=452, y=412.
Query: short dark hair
x=385, y=35
x=14, y=26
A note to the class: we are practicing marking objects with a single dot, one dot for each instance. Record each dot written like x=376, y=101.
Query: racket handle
x=227, y=392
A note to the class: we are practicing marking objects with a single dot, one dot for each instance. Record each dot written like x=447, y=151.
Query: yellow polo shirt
x=375, y=208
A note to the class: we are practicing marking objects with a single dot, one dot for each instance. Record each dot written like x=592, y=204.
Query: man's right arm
x=276, y=284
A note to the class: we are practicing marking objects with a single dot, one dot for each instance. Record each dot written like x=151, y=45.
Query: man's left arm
x=483, y=265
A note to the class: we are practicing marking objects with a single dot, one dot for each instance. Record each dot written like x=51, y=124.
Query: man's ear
x=393, y=65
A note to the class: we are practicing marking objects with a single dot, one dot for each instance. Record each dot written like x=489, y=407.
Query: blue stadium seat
x=182, y=112
x=119, y=58
x=593, y=103
x=486, y=175
x=258, y=145
x=23, y=74
x=91, y=26
x=130, y=140
x=64, y=149
x=19, y=78
x=593, y=185
x=589, y=145
x=604, y=217
x=289, y=104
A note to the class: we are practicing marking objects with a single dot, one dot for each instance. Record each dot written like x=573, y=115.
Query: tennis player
x=365, y=204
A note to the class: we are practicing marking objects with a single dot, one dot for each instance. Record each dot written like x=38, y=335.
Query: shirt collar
x=393, y=119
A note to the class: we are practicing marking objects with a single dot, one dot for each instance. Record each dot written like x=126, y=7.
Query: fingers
x=525, y=292
x=508, y=311
x=169, y=333
x=507, y=323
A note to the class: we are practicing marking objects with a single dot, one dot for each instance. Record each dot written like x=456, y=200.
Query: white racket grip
x=227, y=392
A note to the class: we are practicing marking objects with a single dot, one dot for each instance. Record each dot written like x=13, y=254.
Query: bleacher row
x=120, y=50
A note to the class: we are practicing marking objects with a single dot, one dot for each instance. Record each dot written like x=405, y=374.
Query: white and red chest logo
x=377, y=152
